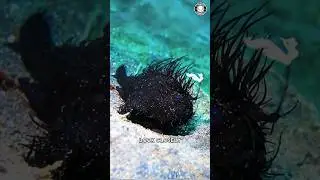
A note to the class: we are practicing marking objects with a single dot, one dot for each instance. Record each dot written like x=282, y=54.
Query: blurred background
x=75, y=20
x=299, y=154
x=299, y=19
x=143, y=31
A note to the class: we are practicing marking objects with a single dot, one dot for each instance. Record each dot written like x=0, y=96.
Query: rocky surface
x=185, y=157
x=15, y=125
x=298, y=158
x=139, y=153
x=299, y=155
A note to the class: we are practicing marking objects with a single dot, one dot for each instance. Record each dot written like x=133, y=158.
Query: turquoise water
x=145, y=31
x=299, y=19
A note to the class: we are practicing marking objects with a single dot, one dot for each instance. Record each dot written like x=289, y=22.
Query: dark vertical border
x=211, y=93
x=107, y=75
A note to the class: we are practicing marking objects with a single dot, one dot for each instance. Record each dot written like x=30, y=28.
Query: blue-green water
x=299, y=19
x=144, y=31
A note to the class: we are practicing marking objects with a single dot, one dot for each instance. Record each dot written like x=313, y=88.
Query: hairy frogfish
x=160, y=98
x=240, y=126
x=68, y=95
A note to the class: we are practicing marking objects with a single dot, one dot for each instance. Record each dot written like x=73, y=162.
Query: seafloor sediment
x=298, y=159
x=139, y=153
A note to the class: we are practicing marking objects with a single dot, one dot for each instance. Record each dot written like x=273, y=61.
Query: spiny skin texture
x=239, y=125
x=68, y=96
x=159, y=98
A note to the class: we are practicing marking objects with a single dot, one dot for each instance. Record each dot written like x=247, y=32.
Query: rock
x=139, y=153
x=299, y=153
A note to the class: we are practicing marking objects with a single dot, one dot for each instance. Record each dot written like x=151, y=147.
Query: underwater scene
x=52, y=72
x=159, y=102
x=229, y=94
x=281, y=109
